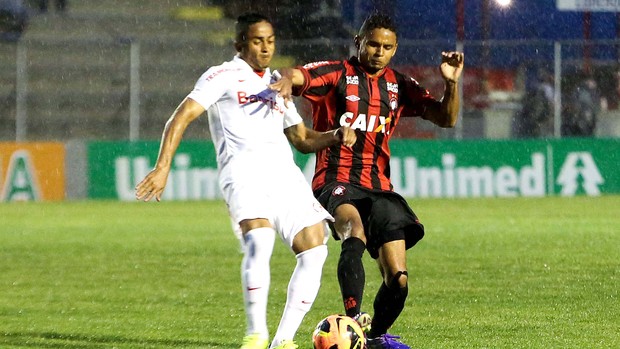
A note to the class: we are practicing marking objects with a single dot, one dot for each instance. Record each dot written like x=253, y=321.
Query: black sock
x=351, y=275
x=389, y=303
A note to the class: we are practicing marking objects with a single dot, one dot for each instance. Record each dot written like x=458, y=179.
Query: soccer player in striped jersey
x=353, y=183
x=266, y=193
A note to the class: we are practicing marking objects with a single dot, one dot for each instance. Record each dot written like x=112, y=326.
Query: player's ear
x=238, y=46
x=357, y=40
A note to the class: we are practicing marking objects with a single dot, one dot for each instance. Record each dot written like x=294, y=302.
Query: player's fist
x=346, y=135
x=452, y=65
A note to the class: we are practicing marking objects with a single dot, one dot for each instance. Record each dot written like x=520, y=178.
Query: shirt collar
x=242, y=63
x=354, y=61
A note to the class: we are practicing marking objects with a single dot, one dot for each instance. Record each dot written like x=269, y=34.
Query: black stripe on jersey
x=331, y=172
x=318, y=91
x=362, y=108
x=380, y=137
x=333, y=157
x=322, y=71
x=326, y=69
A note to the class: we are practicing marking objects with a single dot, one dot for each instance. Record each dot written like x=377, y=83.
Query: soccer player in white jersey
x=265, y=191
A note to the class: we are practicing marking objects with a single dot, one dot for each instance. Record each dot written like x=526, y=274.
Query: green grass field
x=490, y=273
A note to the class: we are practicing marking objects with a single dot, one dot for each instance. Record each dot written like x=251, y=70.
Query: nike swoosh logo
x=253, y=288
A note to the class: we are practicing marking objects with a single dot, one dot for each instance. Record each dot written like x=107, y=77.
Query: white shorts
x=287, y=202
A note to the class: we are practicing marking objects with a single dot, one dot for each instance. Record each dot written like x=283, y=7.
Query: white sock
x=302, y=291
x=255, y=278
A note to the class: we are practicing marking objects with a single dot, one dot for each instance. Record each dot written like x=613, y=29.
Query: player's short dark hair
x=377, y=20
x=244, y=22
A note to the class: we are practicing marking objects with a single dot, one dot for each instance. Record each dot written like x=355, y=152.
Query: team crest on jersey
x=353, y=80
x=393, y=103
x=339, y=191
x=352, y=98
x=392, y=87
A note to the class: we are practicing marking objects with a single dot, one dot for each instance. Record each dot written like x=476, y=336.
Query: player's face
x=376, y=49
x=259, y=46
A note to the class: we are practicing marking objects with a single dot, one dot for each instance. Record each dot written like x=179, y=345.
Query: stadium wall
x=420, y=168
x=32, y=171
x=109, y=170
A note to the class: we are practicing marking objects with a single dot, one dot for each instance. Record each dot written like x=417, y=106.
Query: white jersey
x=246, y=119
x=257, y=173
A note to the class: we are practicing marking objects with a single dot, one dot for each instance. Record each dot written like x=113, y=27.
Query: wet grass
x=491, y=273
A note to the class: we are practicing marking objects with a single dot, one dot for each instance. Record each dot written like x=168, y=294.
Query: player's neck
x=373, y=73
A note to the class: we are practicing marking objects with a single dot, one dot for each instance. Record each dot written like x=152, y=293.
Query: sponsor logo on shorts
x=339, y=191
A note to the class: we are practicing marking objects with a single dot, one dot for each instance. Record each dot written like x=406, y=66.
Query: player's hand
x=152, y=186
x=452, y=65
x=347, y=135
x=284, y=87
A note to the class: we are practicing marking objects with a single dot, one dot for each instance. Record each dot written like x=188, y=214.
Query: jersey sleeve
x=211, y=86
x=291, y=116
x=319, y=78
x=415, y=99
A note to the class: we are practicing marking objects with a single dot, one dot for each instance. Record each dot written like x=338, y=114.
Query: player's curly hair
x=244, y=22
x=377, y=20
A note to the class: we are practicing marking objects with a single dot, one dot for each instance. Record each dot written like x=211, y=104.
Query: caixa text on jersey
x=363, y=122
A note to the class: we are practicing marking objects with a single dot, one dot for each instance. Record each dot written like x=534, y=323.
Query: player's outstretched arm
x=445, y=114
x=307, y=140
x=152, y=186
x=289, y=77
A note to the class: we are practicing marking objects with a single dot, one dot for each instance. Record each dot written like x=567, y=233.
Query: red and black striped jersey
x=341, y=93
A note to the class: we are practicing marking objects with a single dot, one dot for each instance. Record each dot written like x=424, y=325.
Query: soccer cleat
x=364, y=320
x=287, y=344
x=385, y=341
x=255, y=341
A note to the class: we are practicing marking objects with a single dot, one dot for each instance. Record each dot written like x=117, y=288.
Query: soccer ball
x=338, y=332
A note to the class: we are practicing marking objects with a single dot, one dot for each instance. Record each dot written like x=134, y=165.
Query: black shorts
x=386, y=215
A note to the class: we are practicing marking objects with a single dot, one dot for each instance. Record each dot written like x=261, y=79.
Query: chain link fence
x=123, y=89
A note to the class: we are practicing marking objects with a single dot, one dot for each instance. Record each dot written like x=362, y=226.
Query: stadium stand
x=77, y=66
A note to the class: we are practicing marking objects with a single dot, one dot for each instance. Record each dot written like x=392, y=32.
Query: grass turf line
x=491, y=273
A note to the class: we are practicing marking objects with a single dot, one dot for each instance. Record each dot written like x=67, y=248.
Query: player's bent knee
x=308, y=238
x=399, y=279
x=316, y=255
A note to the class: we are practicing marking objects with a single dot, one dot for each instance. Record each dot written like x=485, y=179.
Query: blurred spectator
x=535, y=119
x=582, y=108
x=13, y=19
x=319, y=21
x=61, y=5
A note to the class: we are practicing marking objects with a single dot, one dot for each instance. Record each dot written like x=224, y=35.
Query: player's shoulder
x=334, y=64
x=223, y=70
x=403, y=77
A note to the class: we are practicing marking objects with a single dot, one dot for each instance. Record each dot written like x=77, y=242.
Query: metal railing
x=97, y=89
